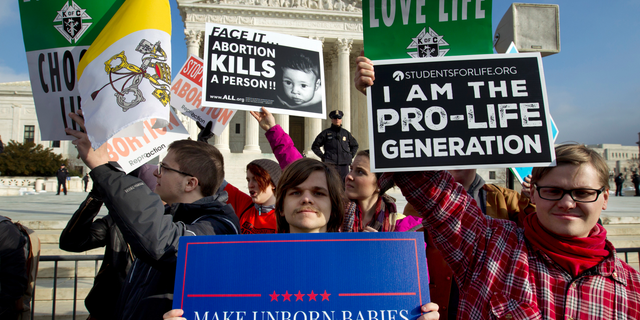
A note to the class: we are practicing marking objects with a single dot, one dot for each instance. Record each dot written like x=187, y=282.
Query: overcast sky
x=592, y=84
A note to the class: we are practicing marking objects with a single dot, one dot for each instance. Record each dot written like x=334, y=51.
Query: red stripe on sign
x=377, y=294
x=224, y=295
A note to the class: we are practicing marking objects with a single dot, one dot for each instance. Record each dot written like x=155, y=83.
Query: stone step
x=49, y=236
x=606, y=220
x=53, y=249
x=64, y=288
x=64, y=310
x=66, y=269
x=625, y=241
x=623, y=230
x=44, y=224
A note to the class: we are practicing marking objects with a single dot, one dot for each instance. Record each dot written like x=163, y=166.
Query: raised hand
x=265, y=119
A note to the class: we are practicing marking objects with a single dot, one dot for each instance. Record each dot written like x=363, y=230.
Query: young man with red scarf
x=559, y=265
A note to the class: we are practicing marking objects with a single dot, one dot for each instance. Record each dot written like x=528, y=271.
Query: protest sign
x=246, y=69
x=132, y=152
x=56, y=34
x=396, y=29
x=522, y=172
x=125, y=75
x=459, y=112
x=187, y=97
x=320, y=276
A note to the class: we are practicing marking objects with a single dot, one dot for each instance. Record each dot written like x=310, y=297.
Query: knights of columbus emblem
x=428, y=45
x=73, y=25
x=153, y=68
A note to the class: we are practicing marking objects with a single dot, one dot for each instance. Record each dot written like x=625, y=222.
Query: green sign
x=64, y=23
x=395, y=29
x=56, y=35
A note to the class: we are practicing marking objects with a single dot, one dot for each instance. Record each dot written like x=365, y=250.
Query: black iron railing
x=55, y=260
x=96, y=258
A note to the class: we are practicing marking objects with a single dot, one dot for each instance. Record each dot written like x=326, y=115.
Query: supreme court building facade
x=337, y=24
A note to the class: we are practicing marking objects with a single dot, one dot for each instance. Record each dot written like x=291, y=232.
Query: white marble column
x=343, y=50
x=193, y=38
x=283, y=121
x=312, y=127
x=252, y=135
x=222, y=141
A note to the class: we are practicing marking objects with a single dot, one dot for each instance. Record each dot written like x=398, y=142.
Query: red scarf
x=573, y=254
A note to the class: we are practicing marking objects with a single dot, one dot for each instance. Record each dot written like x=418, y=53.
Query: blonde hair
x=576, y=154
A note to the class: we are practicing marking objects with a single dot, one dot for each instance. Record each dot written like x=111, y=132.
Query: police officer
x=339, y=145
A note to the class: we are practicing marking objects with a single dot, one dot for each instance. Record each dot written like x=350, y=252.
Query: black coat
x=13, y=268
x=83, y=233
x=62, y=174
x=339, y=146
x=152, y=232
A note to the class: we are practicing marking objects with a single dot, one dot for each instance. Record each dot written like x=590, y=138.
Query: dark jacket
x=619, y=180
x=152, y=231
x=339, y=146
x=13, y=268
x=62, y=174
x=81, y=234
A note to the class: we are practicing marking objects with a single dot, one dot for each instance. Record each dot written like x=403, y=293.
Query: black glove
x=205, y=132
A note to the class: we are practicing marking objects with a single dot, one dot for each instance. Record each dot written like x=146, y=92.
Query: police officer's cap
x=336, y=114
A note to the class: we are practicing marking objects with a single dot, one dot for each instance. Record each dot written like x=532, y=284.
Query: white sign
x=132, y=152
x=186, y=97
x=246, y=69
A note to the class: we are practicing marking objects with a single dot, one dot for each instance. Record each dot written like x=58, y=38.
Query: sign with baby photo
x=305, y=276
x=246, y=69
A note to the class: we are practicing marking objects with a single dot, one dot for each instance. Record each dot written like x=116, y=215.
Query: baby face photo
x=300, y=82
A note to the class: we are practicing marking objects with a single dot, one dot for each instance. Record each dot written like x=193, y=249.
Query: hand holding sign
x=92, y=158
x=174, y=314
x=364, y=73
x=430, y=313
x=265, y=119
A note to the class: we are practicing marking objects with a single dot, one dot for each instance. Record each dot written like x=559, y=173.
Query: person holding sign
x=494, y=201
x=310, y=200
x=558, y=265
x=256, y=209
x=187, y=179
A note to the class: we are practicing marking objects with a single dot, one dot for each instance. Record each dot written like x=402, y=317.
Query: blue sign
x=325, y=276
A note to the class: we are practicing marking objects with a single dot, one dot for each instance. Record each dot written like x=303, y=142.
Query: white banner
x=186, y=97
x=132, y=152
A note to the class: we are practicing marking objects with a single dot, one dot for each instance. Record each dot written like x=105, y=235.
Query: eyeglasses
x=162, y=166
x=336, y=117
x=578, y=195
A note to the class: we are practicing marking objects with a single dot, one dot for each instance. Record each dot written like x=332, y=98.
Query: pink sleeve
x=282, y=146
x=407, y=223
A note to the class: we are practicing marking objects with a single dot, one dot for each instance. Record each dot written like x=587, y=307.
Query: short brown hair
x=202, y=161
x=576, y=154
x=261, y=175
x=297, y=173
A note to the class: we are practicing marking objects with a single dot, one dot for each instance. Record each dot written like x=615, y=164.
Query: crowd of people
x=492, y=253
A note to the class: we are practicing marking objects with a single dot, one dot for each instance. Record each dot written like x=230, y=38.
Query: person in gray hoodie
x=187, y=181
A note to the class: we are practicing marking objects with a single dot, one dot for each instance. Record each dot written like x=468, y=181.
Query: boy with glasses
x=187, y=180
x=559, y=265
